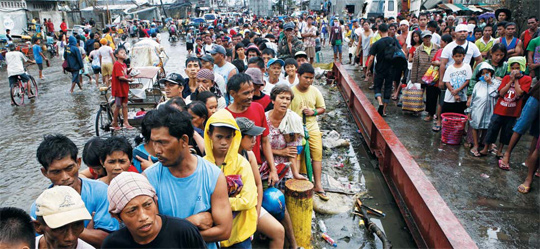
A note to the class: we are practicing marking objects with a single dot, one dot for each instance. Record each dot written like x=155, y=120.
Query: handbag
x=413, y=98
x=65, y=66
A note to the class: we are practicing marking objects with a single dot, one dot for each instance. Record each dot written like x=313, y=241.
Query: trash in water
x=339, y=165
x=483, y=175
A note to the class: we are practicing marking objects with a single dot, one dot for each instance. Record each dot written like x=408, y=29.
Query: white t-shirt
x=436, y=38
x=80, y=244
x=220, y=82
x=286, y=79
x=15, y=61
x=457, y=77
x=105, y=52
x=269, y=86
x=95, y=58
x=224, y=71
x=472, y=52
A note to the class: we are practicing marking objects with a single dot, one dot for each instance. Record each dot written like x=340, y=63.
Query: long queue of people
x=228, y=136
x=475, y=67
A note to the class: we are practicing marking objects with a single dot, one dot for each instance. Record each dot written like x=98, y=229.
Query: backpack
x=392, y=52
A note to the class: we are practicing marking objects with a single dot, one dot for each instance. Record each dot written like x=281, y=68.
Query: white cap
x=462, y=27
x=60, y=206
x=404, y=22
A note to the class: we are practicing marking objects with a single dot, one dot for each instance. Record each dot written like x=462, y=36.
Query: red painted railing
x=429, y=219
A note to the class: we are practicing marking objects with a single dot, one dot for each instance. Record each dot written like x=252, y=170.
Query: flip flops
x=475, y=153
x=322, y=195
x=129, y=127
x=524, y=189
x=436, y=128
x=503, y=165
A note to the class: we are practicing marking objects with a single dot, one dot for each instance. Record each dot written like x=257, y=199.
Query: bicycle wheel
x=17, y=94
x=103, y=121
x=32, y=88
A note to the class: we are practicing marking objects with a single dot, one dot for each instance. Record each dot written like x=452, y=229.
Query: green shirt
x=500, y=71
x=484, y=47
x=534, y=46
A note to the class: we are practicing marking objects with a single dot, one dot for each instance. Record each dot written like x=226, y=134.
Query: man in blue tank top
x=187, y=186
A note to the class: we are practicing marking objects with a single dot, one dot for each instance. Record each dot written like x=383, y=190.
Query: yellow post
x=299, y=201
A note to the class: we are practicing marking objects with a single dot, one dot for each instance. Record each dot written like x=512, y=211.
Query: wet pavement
x=491, y=209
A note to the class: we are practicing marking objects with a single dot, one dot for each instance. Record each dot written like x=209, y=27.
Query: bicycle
x=20, y=89
x=104, y=116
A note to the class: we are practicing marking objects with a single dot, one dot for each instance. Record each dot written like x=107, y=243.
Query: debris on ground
x=333, y=139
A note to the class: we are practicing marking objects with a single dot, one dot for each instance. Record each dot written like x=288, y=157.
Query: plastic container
x=322, y=226
x=453, y=127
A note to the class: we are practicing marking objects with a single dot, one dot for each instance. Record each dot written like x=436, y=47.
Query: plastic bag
x=234, y=184
x=431, y=76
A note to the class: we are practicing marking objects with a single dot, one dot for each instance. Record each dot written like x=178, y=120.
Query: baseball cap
x=60, y=206
x=219, y=124
x=462, y=27
x=207, y=58
x=404, y=22
x=248, y=127
x=126, y=186
x=288, y=25
x=218, y=49
x=274, y=60
x=300, y=54
x=256, y=75
x=173, y=78
x=426, y=33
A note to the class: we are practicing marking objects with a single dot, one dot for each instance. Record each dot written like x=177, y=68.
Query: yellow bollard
x=299, y=201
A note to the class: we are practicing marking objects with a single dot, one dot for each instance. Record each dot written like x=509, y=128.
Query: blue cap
x=288, y=25
x=274, y=60
x=218, y=49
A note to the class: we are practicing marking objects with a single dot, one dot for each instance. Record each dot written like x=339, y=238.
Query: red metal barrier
x=429, y=219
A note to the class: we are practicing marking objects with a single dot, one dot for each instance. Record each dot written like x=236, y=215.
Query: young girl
x=496, y=60
x=482, y=102
x=511, y=91
x=290, y=72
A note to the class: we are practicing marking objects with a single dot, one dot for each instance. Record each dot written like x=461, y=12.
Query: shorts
x=40, y=66
x=189, y=46
x=528, y=118
x=263, y=212
x=325, y=35
x=13, y=79
x=120, y=100
x=456, y=107
x=310, y=52
x=500, y=125
x=106, y=69
x=75, y=77
x=315, y=145
x=96, y=69
x=337, y=48
x=246, y=244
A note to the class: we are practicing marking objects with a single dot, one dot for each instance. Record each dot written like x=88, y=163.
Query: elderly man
x=60, y=216
x=289, y=44
x=133, y=201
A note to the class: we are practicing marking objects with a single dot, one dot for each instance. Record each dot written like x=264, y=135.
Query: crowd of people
x=232, y=128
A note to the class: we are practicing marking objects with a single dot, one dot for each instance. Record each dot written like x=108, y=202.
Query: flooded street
x=54, y=111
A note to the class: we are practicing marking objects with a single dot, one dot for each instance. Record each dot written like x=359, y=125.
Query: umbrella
x=486, y=15
x=307, y=156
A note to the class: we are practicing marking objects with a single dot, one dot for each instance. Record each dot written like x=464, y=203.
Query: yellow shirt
x=111, y=42
x=428, y=49
x=311, y=99
x=243, y=204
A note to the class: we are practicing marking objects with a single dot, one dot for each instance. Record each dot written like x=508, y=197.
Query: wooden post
x=299, y=201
